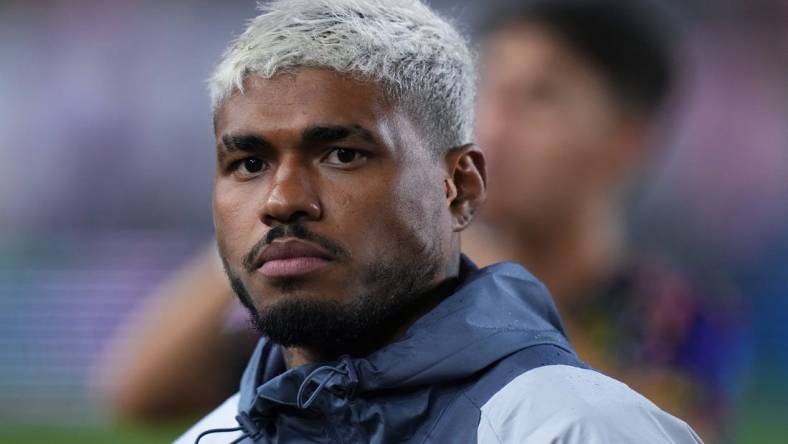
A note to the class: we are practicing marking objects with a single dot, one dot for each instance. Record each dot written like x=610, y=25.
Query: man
x=571, y=95
x=345, y=175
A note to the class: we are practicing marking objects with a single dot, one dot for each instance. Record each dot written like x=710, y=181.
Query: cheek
x=235, y=221
x=536, y=164
x=396, y=217
x=554, y=144
x=420, y=212
x=528, y=157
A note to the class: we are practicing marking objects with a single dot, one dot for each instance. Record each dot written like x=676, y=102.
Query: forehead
x=304, y=98
x=531, y=51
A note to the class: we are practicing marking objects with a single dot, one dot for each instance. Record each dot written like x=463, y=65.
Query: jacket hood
x=494, y=312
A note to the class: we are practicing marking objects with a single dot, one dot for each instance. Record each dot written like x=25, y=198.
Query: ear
x=466, y=183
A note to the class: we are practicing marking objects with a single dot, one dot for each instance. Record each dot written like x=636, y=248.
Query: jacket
x=489, y=364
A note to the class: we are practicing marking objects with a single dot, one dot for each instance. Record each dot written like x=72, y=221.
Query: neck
x=297, y=356
x=568, y=255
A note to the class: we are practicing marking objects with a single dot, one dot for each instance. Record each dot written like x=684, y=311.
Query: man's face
x=547, y=123
x=330, y=210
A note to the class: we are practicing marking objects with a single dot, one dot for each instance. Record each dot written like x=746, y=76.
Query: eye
x=251, y=166
x=344, y=157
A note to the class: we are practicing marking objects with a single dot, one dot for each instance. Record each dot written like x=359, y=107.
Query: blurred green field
x=763, y=412
x=93, y=434
x=765, y=428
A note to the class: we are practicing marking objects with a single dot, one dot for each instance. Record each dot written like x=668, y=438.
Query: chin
x=296, y=290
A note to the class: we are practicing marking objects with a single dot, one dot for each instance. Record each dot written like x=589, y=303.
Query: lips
x=291, y=258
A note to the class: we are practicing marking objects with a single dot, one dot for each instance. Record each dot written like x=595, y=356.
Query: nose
x=291, y=196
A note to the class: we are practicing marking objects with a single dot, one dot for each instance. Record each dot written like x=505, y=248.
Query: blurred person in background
x=569, y=97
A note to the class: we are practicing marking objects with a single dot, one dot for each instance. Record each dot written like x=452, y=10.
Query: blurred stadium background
x=106, y=162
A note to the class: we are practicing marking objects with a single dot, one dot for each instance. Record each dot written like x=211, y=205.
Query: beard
x=396, y=290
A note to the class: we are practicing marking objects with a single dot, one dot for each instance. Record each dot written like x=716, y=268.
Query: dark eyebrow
x=335, y=133
x=245, y=142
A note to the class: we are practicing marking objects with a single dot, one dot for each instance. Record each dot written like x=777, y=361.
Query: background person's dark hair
x=633, y=43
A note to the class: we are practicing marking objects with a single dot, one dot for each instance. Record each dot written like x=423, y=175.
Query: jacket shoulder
x=566, y=404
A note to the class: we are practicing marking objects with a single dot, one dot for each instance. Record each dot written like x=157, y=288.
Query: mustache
x=295, y=231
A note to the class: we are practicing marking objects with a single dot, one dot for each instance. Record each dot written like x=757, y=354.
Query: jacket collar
x=493, y=313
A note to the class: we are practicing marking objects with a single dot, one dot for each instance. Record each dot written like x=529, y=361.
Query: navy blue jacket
x=485, y=365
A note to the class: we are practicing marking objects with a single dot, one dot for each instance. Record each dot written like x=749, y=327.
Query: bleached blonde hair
x=421, y=62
